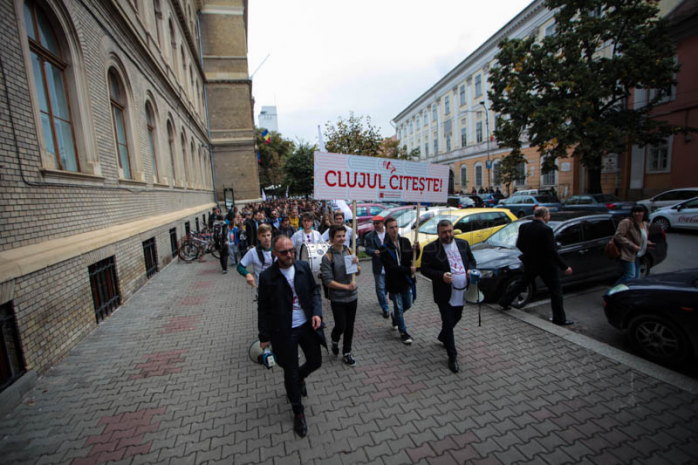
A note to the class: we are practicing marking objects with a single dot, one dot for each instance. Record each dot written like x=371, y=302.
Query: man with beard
x=447, y=262
x=289, y=316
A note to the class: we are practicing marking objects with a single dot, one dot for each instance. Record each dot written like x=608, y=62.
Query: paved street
x=167, y=379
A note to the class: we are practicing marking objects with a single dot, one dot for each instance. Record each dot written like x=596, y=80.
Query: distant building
x=105, y=155
x=268, y=120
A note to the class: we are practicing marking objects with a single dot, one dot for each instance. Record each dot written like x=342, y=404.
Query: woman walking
x=343, y=292
x=632, y=237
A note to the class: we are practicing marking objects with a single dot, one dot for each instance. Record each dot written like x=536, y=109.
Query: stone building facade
x=105, y=160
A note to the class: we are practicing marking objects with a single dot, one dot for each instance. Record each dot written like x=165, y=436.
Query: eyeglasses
x=286, y=252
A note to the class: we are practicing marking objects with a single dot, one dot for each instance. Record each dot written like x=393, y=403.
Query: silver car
x=669, y=198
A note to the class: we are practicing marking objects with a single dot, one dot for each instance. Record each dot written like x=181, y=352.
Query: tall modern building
x=268, y=119
x=106, y=155
x=451, y=123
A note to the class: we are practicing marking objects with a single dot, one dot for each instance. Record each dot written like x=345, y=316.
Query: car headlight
x=616, y=289
x=486, y=273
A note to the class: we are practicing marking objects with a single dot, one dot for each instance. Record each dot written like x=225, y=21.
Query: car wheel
x=658, y=339
x=662, y=223
x=645, y=267
x=522, y=298
x=520, y=214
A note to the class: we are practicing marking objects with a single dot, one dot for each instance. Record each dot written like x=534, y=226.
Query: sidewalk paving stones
x=167, y=380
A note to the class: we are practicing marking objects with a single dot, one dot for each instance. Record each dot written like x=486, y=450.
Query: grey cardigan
x=337, y=272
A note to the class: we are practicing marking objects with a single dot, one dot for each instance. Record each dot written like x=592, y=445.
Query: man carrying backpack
x=343, y=293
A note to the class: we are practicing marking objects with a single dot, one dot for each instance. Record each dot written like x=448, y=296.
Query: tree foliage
x=299, y=168
x=272, y=157
x=390, y=148
x=569, y=93
x=353, y=137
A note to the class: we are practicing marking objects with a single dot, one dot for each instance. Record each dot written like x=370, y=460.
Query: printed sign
x=354, y=177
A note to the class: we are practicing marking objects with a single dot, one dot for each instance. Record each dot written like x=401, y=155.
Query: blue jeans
x=380, y=291
x=401, y=303
x=631, y=270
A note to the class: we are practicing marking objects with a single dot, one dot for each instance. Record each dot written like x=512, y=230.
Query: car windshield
x=405, y=217
x=545, y=199
x=430, y=226
x=606, y=198
x=506, y=237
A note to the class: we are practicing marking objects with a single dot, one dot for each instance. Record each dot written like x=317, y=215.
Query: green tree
x=299, y=168
x=569, y=93
x=351, y=137
x=390, y=148
x=272, y=158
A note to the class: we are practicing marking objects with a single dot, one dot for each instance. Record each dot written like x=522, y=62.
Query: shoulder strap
x=260, y=254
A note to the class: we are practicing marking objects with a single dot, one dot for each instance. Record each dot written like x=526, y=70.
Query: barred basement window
x=187, y=228
x=105, y=287
x=151, y=257
x=11, y=359
x=173, y=241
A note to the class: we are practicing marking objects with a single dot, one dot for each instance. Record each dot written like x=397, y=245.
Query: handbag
x=612, y=251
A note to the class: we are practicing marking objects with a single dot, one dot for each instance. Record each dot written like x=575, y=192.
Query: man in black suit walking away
x=540, y=258
x=447, y=262
x=289, y=315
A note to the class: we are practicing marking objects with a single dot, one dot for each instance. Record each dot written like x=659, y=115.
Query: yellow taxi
x=472, y=224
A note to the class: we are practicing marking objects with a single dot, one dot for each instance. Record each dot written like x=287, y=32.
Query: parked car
x=465, y=202
x=479, y=203
x=581, y=239
x=491, y=199
x=683, y=215
x=405, y=217
x=542, y=191
x=605, y=203
x=524, y=204
x=472, y=224
x=366, y=211
x=659, y=315
x=669, y=198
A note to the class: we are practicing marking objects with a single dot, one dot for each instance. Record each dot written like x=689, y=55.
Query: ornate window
x=478, y=174
x=117, y=95
x=185, y=160
x=49, y=72
x=463, y=177
x=171, y=145
x=152, y=138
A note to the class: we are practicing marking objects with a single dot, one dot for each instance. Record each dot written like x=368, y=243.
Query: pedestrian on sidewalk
x=307, y=235
x=632, y=237
x=343, y=293
x=536, y=242
x=447, y=262
x=234, y=239
x=220, y=238
x=339, y=221
x=373, y=242
x=397, y=257
x=290, y=315
x=260, y=256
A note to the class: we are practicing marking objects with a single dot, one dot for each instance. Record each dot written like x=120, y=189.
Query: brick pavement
x=167, y=380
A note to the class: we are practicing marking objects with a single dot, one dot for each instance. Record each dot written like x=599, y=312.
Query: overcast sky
x=372, y=57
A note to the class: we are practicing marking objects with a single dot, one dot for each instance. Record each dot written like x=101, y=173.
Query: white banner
x=354, y=177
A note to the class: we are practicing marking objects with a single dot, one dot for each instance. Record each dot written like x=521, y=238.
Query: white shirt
x=455, y=261
x=252, y=258
x=381, y=236
x=347, y=238
x=299, y=317
x=300, y=237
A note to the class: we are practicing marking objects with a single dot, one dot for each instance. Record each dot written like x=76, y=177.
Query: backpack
x=330, y=257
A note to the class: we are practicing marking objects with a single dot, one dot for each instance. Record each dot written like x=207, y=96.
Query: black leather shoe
x=335, y=348
x=563, y=323
x=453, y=365
x=504, y=306
x=299, y=425
x=304, y=389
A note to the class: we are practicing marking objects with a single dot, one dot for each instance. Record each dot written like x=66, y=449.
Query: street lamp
x=487, y=126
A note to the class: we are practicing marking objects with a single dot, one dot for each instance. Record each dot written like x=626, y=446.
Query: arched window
x=49, y=72
x=158, y=18
x=171, y=144
x=463, y=177
x=173, y=45
x=185, y=162
x=194, y=164
x=117, y=95
x=152, y=138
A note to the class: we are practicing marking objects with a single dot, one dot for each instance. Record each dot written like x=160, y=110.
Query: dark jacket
x=251, y=231
x=396, y=273
x=275, y=305
x=435, y=264
x=536, y=241
x=372, y=242
x=286, y=232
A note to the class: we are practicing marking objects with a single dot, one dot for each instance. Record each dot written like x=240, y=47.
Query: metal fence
x=173, y=241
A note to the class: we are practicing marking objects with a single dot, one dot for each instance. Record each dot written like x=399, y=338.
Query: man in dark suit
x=447, y=262
x=539, y=255
x=373, y=242
x=289, y=315
x=251, y=226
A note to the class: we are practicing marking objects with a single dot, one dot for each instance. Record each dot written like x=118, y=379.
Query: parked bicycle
x=196, y=245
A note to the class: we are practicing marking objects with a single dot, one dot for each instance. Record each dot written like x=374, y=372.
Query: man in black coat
x=539, y=255
x=251, y=226
x=289, y=315
x=397, y=257
x=373, y=242
x=447, y=262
